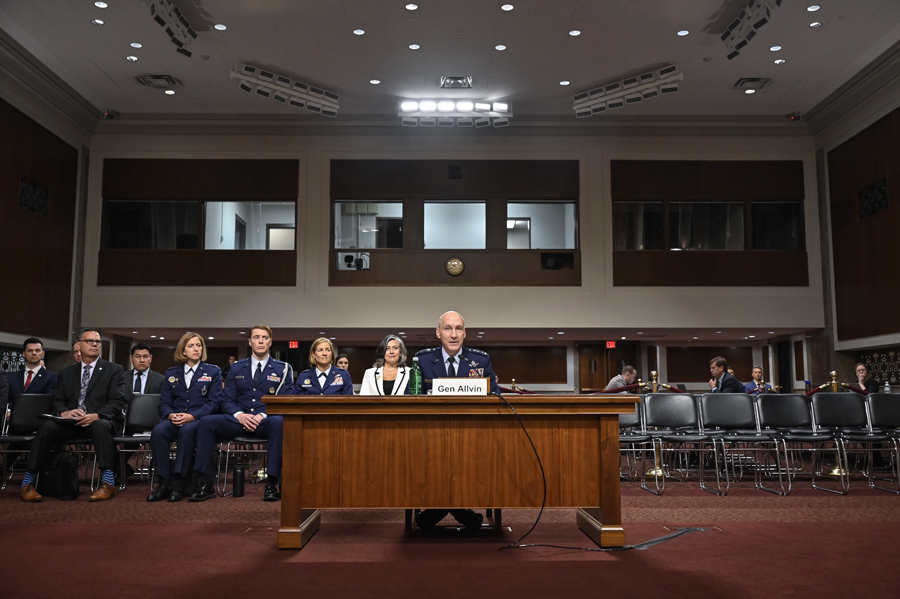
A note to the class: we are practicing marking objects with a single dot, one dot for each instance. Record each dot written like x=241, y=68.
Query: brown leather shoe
x=106, y=491
x=29, y=494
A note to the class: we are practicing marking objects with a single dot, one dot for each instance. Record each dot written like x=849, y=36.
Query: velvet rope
x=632, y=387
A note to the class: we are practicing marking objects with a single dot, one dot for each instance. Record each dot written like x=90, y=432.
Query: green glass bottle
x=415, y=378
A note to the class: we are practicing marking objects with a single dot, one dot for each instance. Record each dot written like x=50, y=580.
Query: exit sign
x=293, y=344
x=610, y=345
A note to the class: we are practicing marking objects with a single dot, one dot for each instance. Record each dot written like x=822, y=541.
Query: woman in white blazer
x=389, y=375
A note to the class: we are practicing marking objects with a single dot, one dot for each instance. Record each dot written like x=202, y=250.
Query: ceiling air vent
x=751, y=83
x=158, y=81
x=456, y=82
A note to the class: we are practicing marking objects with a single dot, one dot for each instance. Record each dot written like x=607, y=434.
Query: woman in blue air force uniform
x=324, y=378
x=190, y=392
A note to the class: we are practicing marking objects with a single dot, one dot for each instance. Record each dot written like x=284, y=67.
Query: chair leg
x=658, y=474
x=840, y=459
x=895, y=470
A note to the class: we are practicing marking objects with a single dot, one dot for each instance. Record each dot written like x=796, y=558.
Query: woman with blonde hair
x=324, y=378
x=389, y=374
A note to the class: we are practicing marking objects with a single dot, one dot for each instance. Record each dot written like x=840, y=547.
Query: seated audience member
x=343, y=362
x=190, y=391
x=244, y=414
x=231, y=360
x=865, y=380
x=140, y=379
x=76, y=353
x=755, y=386
x=35, y=378
x=323, y=378
x=731, y=371
x=722, y=381
x=389, y=375
x=628, y=376
x=91, y=394
x=4, y=389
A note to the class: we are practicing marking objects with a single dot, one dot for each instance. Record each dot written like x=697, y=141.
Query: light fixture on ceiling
x=813, y=7
x=412, y=6
x=136, y=45
x=574, y=33
x=774, y=48
x=749, y=91
x=500, y=47
x=210, y=338
x=359, y=31
x=465, y=106
x=446, y=106
x=623, y=338
x=449, y=113
x=101, y=4
x=414, y=46
x=507, y=7
x=153, y=336
x=813, y=25
x=746, y=24
x=683, y=33
x=374, y=81
x=97, y=22
x=750, y=85
x=456, y=82
x=285, y=90
x=168, y=16
x=780, y=61
x=134, y=332
x=162, y=338
x=626, y=91
x=170, y=92
x=564, y=82
x=220, y=27
x=131, y=58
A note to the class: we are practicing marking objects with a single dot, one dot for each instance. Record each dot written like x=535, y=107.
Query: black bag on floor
x=60, y=478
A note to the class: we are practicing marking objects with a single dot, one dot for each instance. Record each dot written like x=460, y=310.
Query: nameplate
x=470, y=386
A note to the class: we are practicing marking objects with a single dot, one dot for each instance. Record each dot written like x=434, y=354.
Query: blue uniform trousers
x=216, y=428
x=185, y=438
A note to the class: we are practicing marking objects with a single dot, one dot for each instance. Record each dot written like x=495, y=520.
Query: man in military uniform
x=452, y=359
x=244, y=414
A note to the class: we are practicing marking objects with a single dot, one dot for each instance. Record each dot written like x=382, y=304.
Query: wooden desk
x=404, y=451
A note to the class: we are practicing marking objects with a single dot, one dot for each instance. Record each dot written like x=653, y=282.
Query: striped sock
x=106, y=476
x=29, y=479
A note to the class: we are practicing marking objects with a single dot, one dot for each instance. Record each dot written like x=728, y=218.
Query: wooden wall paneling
x=163, y=357
x=577, y=483
x=866, y=252
x=709, y=268
x=495, y=233
x=413, y=224
x=767, y=372
x=37, y=291
x=691, y=364
x=652, y=359
x=208, y=268
x=546, y=365
x=799, y=363
x=218, y=355
x=323, y=457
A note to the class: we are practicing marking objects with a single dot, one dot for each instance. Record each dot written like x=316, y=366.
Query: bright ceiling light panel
x=448, y=113
x=168, y=16
x=630, y=90
x=285, y=90
x=746, y=24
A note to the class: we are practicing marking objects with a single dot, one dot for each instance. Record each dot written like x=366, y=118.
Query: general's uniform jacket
x=474, y=363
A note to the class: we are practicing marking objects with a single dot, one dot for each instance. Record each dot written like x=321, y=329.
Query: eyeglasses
x=860, y=370
x=91, y=341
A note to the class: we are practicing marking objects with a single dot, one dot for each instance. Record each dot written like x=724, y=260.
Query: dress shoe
x=271, y=493
x=162, y=492
x=428, y=518
x=106, y=491
x=176, y=495
x=471, y=520
x=205, y=491
x=29, y=494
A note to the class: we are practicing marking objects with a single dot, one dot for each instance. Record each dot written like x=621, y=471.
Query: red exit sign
x=296, y=344
x=610, y=345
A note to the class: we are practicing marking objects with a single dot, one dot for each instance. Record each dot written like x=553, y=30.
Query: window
x=638, y=226
x=455, y=225
x=777, y=225
x=249, y=225
x=147, y=225
x=369, y=225
x=706, y=226
x=540, y=225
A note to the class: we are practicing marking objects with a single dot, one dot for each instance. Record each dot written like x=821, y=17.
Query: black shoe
x=176, y=496
x=471, y=520
x=428, y=518
x=162, y=491
x=271, y=493
x=205, y=491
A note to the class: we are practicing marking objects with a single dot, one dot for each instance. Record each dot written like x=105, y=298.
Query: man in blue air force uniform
x=451, y=359
x=244, y=414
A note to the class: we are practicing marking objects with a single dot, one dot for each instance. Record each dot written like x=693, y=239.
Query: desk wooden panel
x=449, y=452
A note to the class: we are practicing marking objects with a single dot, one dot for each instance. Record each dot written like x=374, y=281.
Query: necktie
x=451, y=369
x=188, y=377
x=28, y=380
x=85, y=379
x=322, y=376
x=258, y=376
x=137, y=381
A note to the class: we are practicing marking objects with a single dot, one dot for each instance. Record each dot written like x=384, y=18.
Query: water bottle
x=415, y=378
x=237, y=480
x=887, y=385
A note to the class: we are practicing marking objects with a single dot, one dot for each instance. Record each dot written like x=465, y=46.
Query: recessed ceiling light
x=162, y=337
x=500, y=47
x=153, y=336
x=242, y=332
x=210, y=338
x=560, y=332
x=101, y=4
x=428, y=106
x=813, y=25
x=749, y=91
x=170, y=92
x=99, y=22
x=623, y=338
x=220, y=27
x=683, y=33
x=813, y=8
x=414, y=46
x=465, y=106
x=134, y=332
x=718, y=332
x=640, y=333
x=131, y=58
x=446, y=106
x=549, y=337
x=774, y=48
x=752, y=336
x=481, y=332
x=574, y=33
x=358, y=31
x=412, y=6
x=694, y=337
x=136, y=45
x=402, y=332
x=507, y=7
x=564, y=82
x=374, y=81
x=321, y=332
x=332, y=338
x=780, y=61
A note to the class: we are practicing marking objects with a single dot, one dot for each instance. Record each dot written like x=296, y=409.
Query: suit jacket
x=241, y=395
x=374, y=385
x=729, y=384
x=751, y=387
x=204, y=397
x=105, y=392
x=474, y=363
x=336, y=383
x=4, y=390
x=153, y=384
x=42, y=382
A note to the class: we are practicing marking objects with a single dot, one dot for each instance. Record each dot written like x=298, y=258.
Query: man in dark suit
x=756, y=385
x=4, y=389
x=90, y=394
x=141, y=379
x=452, y=359
x=721, y=380
x=35, y=379
x=245, y=414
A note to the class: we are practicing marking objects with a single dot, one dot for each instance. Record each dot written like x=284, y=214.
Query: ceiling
x=313, y=41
